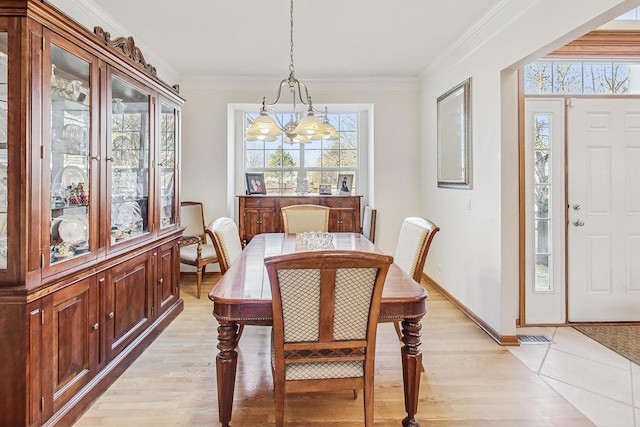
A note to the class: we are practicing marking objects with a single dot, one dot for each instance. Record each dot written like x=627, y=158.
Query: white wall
x=475, y=256
x=205, y=160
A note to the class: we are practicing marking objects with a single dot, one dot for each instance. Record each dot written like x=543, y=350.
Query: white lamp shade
x=264, y=124
x=311, y=127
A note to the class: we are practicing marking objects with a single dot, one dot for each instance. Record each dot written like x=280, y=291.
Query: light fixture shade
x=293, y=139
x=257, y=135
x=311, y=127
x=332, y=133
x=264, y=124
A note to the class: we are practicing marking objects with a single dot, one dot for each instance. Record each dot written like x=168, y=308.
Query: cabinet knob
x=108, y=159
x=340, y=203
x=259, y=203
x=95, y=157
x=111, y=315
x=161, y=280
x=96, y=326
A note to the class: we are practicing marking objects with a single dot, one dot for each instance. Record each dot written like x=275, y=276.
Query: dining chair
x=412, y=247
x=194, y=249
x=325, y=317
x=226, y=241
x=304, y=218
x=369, y=223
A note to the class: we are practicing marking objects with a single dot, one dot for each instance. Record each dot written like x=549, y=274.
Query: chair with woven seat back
x=412, y=248
x=304, y=218
x=369, y=223
x=325, y=316
x=226, y=241
x=194, y=249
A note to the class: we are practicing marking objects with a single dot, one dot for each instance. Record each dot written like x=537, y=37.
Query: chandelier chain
x=291, y=67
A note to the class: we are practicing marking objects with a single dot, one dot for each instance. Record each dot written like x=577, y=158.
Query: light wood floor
x=469, y=380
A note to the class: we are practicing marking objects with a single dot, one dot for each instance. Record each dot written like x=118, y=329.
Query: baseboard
x=500, y=339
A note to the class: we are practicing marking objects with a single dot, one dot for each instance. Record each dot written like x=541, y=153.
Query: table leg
x=411, y=369
x=226, y=363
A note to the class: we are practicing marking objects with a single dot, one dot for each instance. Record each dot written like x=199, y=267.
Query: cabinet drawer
x=259, y=202
x=340, y=202
x=290, y=201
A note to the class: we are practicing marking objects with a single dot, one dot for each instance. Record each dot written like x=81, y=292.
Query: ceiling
x=332, y=38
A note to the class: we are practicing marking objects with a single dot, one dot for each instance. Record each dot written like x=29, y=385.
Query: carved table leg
x=226, y=362
x=411, y=369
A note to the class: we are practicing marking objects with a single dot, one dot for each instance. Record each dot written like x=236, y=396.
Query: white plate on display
x=72, y=176
x=72, y=228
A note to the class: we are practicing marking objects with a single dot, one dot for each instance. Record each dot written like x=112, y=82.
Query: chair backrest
x=369, y=223
x=327, y=301
x=414, y=240
x=226, y=241
x=192, y=217
x=303, y=218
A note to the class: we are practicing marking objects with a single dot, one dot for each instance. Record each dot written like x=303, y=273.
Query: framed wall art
x=454, y=137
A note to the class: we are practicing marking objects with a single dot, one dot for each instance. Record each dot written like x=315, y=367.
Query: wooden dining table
x=243, y=297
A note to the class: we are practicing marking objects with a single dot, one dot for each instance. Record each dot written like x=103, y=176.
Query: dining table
x=242, y=296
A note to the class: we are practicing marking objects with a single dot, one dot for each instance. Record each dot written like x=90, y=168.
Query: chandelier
x=305, y=129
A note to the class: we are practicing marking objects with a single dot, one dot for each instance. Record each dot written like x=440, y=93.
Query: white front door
x=603, y=246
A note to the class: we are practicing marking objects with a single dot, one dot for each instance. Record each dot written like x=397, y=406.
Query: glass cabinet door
x=69, y=158
x=129, y=153
x=4, y=163
x=167, y=165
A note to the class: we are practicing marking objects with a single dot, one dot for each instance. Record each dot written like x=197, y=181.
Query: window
x=542, y=200
x=592, y=77
x=285, y=165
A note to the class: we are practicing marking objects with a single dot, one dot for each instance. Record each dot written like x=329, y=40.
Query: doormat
x=623, y=339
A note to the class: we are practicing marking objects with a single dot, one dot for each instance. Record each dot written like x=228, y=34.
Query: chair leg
x=198, y=282
x=398, y=330
x=279, y=403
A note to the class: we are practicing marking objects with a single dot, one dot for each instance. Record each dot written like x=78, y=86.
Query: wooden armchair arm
x=190, y=240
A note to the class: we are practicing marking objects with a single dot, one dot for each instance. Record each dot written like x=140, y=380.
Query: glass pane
x=542, y=280
x=70, y=163
x=567, y=78
x=167, y=165
x=129, y=161
x=4, y=163
x=538, y=78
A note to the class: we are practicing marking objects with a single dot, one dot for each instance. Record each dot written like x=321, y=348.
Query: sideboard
x=261, y=214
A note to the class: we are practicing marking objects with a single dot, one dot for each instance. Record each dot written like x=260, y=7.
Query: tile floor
x=600, y=383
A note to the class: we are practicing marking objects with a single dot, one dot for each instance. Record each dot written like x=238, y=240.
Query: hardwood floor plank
x=469, y=380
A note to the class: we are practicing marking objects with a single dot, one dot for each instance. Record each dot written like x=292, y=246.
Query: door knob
x=578, y=223
x=576, y=207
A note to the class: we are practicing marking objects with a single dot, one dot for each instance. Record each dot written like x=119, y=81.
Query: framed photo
x=255, y=183
x=344, y=185
x=325, y=189
x=454, y=137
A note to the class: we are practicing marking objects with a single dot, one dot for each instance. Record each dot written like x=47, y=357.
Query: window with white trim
x=320, y=162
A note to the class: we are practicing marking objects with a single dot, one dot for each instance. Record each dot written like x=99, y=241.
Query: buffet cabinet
x=261, y=214
x=89, y=205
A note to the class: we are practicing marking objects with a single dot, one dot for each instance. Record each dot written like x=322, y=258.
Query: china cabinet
x=89, y=197
x=261, y=214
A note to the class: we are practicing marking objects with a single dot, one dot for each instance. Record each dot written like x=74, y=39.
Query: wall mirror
x=454, y=137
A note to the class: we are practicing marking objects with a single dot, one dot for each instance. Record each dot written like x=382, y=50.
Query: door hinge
x=44, y=43
x=42, y=404
x=42, y=261
x=176, y=289
x=42, y=317
x=42, y=151
x=152, y=311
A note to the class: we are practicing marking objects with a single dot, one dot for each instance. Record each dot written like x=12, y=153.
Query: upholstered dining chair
x=194, y=249
x=412, y=248
x=369, y=223
x=325, y=317
x=226, y=241
x=303, y=218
